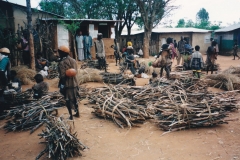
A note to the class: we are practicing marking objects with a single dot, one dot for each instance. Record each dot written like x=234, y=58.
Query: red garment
x=123, y=50
x=174, y=53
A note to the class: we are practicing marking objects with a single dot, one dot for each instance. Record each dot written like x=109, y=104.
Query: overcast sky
x=227, y=11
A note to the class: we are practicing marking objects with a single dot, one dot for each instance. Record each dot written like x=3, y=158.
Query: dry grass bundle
x=224, y=81
x=25, y=75
x=54, y=82
x=89, y=75
x=232, y=70
x=17, y=68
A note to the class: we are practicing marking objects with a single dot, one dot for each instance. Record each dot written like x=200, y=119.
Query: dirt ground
x=108, y=142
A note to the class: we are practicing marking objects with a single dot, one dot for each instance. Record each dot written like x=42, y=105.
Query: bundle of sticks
x=31, y=116
x=175, y=105
x=111, y=104
x=181, y=109
x=114, y=78
x=53, y=71
x=60, y=142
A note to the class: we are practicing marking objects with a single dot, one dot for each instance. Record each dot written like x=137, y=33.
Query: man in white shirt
x=79, y=39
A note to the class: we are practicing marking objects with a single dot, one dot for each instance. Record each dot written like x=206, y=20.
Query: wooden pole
x=31, y=43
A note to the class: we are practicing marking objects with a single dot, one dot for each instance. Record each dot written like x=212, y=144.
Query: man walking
x=181, y=50
x=87, y=42
x=79, y=39
x=68, y=84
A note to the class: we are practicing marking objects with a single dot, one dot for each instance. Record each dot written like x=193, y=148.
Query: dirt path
x=107, y=141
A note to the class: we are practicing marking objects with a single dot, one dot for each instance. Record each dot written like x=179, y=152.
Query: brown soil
x=107, y=141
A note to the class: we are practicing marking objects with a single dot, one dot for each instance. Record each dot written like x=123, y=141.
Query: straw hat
x=5, y=50
x=64, y=49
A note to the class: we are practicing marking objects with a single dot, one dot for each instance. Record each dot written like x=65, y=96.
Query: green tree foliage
x=54, y=6
x=189, y=24
x=181, y=23
x=202, y=15
x=202, y=22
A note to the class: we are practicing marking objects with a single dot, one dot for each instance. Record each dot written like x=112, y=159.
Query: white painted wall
x=62, y=35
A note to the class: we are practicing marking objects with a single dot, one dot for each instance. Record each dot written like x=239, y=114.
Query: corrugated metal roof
x=229, y=28
x=33, y=8
x=171, y=30
x=66, y=19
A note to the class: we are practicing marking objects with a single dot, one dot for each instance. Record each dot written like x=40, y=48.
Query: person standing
x=235, y=50
x=68, y=84
x=196, y=62
x=25, y=47
x=5, y=66
x=181, y=50
x=116, y=51
x=216, y=46
x=87, y=43
x=79, y=39
x=100, y=52
x=173, y=50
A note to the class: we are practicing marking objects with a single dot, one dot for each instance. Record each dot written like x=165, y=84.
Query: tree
x=202, y=15
x=181, y=23
x=29, y=26
x=189, y=24
x=152, y=13
x=54, y=6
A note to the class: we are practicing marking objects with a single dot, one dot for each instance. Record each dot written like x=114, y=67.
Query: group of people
x=84, y=44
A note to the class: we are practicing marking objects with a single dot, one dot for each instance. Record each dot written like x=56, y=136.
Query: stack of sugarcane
x=114, y=78
x=31, y=116
x=111, y=104
x=53, y=71
x=60, y=142
x=176, y=105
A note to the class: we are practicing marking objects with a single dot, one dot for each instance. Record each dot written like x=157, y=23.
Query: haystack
x=89, y=75
x=232, y=70
x=54, y=82
x=224, y=81
x=25, y=75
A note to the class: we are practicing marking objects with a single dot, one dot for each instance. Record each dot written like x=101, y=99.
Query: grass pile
x=224, y=81
x=25, y=75
x=89, y=75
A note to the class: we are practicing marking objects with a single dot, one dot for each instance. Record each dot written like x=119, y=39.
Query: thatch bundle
x=25, y=75
x=89, y=75
x=54, y=82
x=224, y=81
x=233, y=70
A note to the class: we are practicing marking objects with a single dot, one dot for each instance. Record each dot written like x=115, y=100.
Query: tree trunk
x=31, y=42
x=74, y=47
x=146, y=40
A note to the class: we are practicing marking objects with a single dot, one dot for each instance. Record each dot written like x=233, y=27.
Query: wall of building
x=6, y=15
x=201, y=39
x=20, y=17
x=225, y=41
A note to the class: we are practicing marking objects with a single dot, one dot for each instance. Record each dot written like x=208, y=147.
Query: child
x=41, y=88
x=196, y=61
x=15, y=82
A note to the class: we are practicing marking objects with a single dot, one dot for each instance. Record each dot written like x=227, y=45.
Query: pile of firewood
x=111, y=104
x=31, y=116
x=115, y=78
x=60, y=142
x=53, y=71
x=174, y=104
